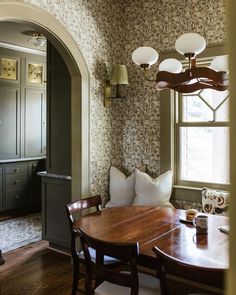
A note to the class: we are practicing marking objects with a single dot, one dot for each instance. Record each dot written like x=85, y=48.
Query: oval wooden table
x=161, y=227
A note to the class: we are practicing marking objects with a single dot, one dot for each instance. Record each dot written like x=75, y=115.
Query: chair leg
x=75, y=277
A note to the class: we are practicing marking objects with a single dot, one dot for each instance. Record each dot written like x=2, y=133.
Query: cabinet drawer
x=16, y=199
x=16, y=168
x=15, y=181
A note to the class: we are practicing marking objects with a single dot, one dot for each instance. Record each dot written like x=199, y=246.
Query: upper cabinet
x=22, y=105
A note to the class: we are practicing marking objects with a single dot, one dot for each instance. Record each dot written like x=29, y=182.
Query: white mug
x=201, y=223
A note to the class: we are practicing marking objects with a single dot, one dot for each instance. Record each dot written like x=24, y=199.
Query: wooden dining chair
x=169, y=265
x=73, y=211
x=110, y=281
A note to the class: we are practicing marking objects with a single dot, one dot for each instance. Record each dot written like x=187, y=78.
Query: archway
x=66, y=46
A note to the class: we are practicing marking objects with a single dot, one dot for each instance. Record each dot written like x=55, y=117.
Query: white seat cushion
x=107, y=259
x=148, y=285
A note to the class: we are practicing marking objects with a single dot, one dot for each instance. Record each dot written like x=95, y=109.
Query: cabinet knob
x=17, y=197
x=16, y=181
x=16, y=169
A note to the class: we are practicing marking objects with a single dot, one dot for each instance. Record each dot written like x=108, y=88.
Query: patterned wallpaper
x=157, y=24
x=107, y=31
x=93, y=25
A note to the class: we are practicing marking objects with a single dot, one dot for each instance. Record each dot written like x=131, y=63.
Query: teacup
x=201, y=223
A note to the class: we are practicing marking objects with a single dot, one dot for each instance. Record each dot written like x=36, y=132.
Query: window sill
x=187, y=187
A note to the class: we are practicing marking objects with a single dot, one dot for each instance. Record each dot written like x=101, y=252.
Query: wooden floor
x=36, y=270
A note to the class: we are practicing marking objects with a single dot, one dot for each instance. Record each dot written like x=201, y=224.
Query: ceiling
x=18, y=34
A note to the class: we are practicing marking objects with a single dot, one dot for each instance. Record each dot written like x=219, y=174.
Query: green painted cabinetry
x=20, y=185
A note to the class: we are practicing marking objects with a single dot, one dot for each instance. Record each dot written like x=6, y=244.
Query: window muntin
x=202, y=138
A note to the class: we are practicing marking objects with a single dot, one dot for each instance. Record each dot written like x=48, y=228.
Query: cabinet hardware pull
x=16, y=181
x=16, y=169
x=17, y=197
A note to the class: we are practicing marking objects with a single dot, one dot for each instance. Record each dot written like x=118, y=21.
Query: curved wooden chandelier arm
x=192, y=80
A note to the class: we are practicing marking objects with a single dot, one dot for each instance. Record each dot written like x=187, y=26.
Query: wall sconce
x=119, y=76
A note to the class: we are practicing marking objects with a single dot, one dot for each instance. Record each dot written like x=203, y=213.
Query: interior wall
x=107, y=31
x=155, y=23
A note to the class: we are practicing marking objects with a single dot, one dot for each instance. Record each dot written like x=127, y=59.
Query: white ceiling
x=17, y=34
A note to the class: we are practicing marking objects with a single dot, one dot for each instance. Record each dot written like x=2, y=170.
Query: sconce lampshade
x=190, y=43
x=220, y=63
x=119, y=75
x=171, y=65
x=145, y=56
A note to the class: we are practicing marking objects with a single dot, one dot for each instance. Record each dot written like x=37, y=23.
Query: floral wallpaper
x=136, y=121
x=107, y=31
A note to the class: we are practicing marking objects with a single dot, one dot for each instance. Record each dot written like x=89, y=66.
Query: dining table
x=206, y=255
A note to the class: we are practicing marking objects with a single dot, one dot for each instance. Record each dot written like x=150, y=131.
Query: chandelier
x=38, y=40
x=170, y=74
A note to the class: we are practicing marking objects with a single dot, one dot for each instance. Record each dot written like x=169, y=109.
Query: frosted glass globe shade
x=145, y=55
x=220, y=63
x=190, y=43
x=171, y=65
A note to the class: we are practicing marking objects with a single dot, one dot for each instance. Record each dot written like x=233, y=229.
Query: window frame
x=168, y=150
x=178, y=123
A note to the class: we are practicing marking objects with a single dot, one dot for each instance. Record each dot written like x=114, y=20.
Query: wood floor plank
x=36, y=270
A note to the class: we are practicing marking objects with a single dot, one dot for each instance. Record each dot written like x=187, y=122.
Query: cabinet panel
x=16, y=168
x=58, y=114
x=16, y=181
x=9, y=122
x=20, y=185
x=35, y=181
x=55, y=195
x=16, y=199
x=35, y=125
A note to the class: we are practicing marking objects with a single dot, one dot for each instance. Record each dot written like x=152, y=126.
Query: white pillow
x=153, y=192
x=121, y=189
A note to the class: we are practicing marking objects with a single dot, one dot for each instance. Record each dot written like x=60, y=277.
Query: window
x=202, y=138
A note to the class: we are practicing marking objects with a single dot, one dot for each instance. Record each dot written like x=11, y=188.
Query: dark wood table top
x=153, y=226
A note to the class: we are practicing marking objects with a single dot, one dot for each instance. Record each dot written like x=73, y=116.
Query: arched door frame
x=62, y=40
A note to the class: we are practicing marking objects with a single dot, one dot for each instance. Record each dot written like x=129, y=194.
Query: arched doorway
x=66, y=46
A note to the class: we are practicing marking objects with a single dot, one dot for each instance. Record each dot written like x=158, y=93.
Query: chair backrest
x=72, y=209
x=80, y=205
x=170, y=265
x=125, y=252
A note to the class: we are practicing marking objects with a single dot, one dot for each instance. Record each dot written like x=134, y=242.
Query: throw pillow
x=215, y=202
x=121, y=189
x=153, y=192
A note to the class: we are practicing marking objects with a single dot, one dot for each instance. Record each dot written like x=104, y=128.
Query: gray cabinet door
x=58, y=114
x=34, y=124
x=56, y=193
x=9, y=122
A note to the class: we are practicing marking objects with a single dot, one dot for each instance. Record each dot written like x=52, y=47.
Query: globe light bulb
x=190, y=43
x=145, y=55
x=171, y=65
